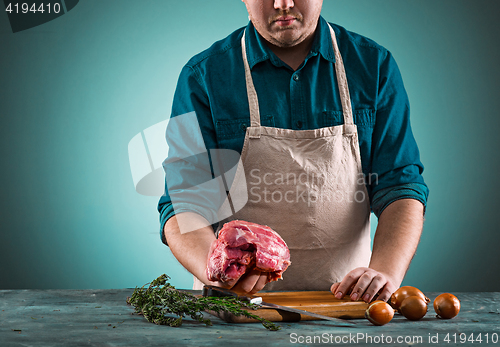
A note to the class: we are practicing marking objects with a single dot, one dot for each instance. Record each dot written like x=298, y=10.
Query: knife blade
x=221, y=292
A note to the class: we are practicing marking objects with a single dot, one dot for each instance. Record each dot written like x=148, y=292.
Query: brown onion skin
x=446, y=306
x=404, y=292
x=413, y=308
x=379, y=312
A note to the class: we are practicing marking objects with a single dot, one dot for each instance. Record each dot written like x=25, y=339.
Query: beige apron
x=308, y=186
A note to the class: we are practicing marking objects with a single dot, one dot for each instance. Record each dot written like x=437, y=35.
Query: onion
x=447, y=305
x=379, y=312
x=404, y=292
x=413, y=307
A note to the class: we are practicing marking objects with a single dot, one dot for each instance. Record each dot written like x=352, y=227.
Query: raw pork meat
x=243, y=246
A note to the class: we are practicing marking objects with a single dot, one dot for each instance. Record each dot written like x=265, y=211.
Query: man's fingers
x=227, y=285
x=261, y=282
x=247, y=284
x=348, y=282
x=334, y=287
x=364, y=282
x=386, y=292
x=377, y=283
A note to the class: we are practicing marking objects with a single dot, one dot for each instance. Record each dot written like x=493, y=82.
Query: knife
x=221, y=292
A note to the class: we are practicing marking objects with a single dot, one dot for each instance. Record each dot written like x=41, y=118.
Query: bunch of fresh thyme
x=161, y=299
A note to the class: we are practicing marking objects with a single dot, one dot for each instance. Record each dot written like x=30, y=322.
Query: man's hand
x=396, y=239
x=250, y=283
x=193, y=249
x=190, y=239
x=365, y=283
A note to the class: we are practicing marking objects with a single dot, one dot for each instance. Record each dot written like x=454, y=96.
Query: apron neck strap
x=345, y=98
x=253, y=101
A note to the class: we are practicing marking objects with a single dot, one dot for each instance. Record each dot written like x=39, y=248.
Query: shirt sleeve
x=396, y=170
x=189, y=184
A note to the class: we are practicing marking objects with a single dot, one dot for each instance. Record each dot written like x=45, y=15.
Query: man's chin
x=285, y=41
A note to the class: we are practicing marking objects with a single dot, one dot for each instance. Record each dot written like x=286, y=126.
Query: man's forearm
x=396, y=239
x=190, y=248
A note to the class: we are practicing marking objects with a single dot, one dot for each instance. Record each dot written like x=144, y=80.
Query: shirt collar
x=258, y=50
x=322, y=43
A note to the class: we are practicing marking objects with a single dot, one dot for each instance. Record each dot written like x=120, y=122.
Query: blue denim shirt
x=212, y=84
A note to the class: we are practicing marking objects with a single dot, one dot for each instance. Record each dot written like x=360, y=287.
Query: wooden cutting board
x=322, y=302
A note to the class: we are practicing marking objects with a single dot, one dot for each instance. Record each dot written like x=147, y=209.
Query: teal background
x=74, y=91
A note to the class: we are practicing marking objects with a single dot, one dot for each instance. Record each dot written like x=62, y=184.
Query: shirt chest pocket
x=231, y=133
x=362, y=118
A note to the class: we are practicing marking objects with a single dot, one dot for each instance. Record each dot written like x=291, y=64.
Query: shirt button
x=243, y=127
x=296, y=78
x=299, y=124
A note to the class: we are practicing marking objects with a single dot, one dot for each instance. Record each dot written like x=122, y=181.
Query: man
x=298, y=97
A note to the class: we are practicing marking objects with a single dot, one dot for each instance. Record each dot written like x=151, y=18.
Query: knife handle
x=222, y=292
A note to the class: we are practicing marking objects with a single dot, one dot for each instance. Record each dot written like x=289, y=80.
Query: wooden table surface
x=102, y=318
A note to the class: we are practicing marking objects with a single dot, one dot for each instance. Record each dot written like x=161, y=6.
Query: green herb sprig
x=161, y=299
